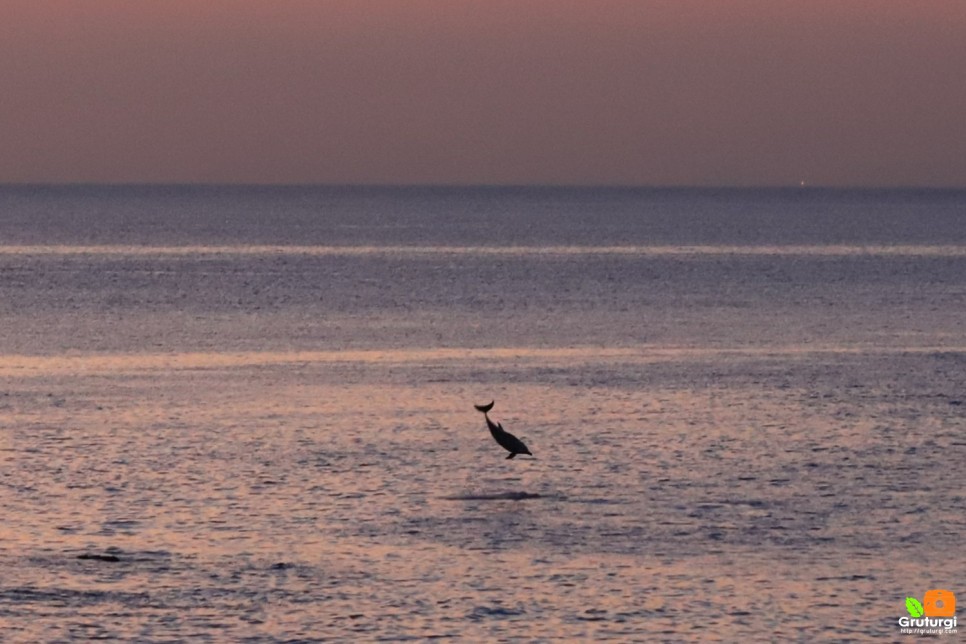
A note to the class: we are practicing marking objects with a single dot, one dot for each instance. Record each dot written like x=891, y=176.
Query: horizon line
x=803, y=187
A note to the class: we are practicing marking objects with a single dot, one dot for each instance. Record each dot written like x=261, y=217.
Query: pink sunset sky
x=631, y=92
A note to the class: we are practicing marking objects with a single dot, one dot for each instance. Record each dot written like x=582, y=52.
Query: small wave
x=94, y=556
x=484, y=612
x=497, y=496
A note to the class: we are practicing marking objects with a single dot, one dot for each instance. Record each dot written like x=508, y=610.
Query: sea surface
x=245, y=414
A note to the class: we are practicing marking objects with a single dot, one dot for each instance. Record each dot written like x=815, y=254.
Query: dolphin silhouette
x=505, y=439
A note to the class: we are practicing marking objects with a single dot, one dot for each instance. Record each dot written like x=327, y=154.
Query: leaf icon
x=914, y=607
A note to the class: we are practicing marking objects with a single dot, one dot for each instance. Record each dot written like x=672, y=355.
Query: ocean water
x=246, y=414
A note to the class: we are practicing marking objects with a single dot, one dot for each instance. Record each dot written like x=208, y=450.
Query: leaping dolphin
x=506, y=440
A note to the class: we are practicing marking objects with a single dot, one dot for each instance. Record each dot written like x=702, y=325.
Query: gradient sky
x=652, y=92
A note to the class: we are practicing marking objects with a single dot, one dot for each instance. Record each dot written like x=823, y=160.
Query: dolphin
x=505, y=439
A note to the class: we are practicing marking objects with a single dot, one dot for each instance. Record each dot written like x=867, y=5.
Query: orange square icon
x=939, y=603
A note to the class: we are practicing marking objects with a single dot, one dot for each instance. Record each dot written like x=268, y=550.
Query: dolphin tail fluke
x=485, y=408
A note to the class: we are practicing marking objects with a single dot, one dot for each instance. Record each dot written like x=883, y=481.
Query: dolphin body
x=505, y=439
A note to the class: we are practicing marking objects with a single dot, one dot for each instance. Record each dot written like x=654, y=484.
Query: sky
x=571, y=92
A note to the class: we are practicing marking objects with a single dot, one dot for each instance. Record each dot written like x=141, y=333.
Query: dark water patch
x=595, y=501
x=494, y=612
x=497, y=496
x=91, y=632
x=130, y=561
x=593, y=615
x=752, y=503
x=99, y=557
x=64, y=597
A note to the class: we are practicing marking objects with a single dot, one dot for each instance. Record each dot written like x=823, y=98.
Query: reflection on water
x=317, y=499
x=29, y=366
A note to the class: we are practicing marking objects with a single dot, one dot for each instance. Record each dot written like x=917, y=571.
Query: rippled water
x=747, y=411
